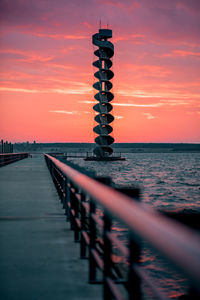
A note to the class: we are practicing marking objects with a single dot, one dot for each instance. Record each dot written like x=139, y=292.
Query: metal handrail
x=14, y=154
x=8, y=158
x=177, y=243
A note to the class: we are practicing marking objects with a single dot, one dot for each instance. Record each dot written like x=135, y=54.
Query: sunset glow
x=46, y=72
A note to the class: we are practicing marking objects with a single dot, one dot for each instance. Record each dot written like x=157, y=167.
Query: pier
x=38, y=258
x=45, y=257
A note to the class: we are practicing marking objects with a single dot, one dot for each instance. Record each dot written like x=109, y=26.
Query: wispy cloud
x=87, y=24
x=174, y=102
x=137, y=37
x=162, y=95
x=138, y=105
x=149, y=116
x=148, y=70
x=181, y=53
x=73, y=112
x=87, y=102
x=119, y=117
x=76, y=91
x=158, y=104
x=28, y=56
x=20, y=90
x=127, y=104
x=61, y=36
x=137, y=93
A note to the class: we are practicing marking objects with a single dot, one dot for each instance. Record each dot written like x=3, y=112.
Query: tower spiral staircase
x=104, y=53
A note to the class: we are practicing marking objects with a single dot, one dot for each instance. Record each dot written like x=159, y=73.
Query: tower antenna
x=100, y=23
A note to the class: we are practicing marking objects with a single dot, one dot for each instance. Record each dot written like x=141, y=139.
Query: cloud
x=174, y=102
x=163, y=102
x=73, y=112
x=151, y=70
x=172, y=20
x=136, y=37
x=192, y=6
x=128, y=4
x=126, y=104
x=181, y=53
x=137, y=93
x=87, y=24
x=149, y=116
x=138, y=105
x=119, y=117
x=78, y=91
x=175, y=95
x=87, y=102
x=27, y=56
x=20, y=90
x=17, y=56
x=61, y=36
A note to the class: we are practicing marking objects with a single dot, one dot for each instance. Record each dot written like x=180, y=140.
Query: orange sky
x=46, y=57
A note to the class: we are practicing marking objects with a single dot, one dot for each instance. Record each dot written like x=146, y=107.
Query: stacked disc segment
x=104, y=52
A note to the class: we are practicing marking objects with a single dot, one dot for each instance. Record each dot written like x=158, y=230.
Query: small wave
x=188, y=184
x=160, y=182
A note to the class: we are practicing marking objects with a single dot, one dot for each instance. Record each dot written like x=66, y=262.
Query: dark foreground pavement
x=38, y=258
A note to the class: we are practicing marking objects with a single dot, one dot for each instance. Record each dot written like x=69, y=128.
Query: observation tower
x=104, y=96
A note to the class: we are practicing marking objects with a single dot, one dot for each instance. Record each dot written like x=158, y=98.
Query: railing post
x=76, y=216
x=50, y=166
x=53, y=171
x=83, y=228
x=92, y=234
x=134, y=282
x=67, y=199
x=74, y=207
x=56, y=179
x=71, y=199
x=107, y=257
x=64, y=188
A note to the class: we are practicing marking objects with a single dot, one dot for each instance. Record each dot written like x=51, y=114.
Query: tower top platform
x=105, y=33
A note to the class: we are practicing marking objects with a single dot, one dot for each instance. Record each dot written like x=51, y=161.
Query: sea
x=168, y=181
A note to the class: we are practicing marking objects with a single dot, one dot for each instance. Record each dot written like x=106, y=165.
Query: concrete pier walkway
x=38, y=258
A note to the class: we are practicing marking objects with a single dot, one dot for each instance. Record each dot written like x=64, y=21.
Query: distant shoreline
x=118, y=147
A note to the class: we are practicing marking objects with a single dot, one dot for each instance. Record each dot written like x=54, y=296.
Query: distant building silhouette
x=6, y=147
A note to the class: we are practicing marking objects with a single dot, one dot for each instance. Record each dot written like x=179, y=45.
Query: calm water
x=168, y=181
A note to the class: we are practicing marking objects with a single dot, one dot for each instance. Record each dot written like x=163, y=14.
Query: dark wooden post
x=134, y=282
x=92, y=264
x=107, y=257
x=83, y=227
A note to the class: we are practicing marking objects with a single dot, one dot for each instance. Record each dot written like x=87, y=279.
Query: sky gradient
x=46, y=71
